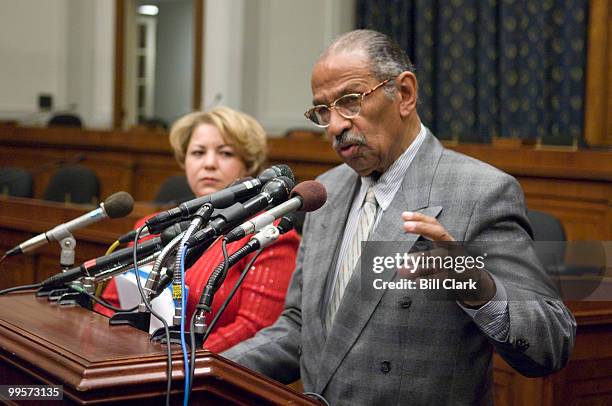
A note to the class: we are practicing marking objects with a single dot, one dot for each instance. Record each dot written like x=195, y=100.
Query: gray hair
x=387, y=58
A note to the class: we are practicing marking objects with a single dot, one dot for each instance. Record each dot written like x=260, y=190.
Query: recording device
x=219, y=200
x=307, y=196
x=274, y=192
x=117, y=205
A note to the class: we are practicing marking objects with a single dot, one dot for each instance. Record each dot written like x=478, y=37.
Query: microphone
x=90, y=268
x=274, y=192
x=117, y=205
x=129, y=236
x=307, y=196
x=221, y=199
x=268, y=235
x=119, y=258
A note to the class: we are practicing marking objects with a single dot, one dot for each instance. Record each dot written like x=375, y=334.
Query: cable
x=231, y=295
x=201, y=216
x=100, y=288
x=102, y=301
x=193, y=350
x=228, y=298
x=154, y=313
x=3, y=258
x=183, y=343
x=225, y=261
x=192, y=321
x=317, y=397
x=102, y=285
x=112, y=247
x=22, y=287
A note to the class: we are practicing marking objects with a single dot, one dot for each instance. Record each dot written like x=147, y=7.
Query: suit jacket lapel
x=413, y=195
x=328, y=235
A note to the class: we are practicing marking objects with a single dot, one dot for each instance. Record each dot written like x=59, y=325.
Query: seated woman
x=216, y=148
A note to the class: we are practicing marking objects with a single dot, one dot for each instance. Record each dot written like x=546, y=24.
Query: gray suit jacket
x=396, y=346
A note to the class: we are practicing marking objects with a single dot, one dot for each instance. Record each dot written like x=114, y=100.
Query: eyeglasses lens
x=349, y=105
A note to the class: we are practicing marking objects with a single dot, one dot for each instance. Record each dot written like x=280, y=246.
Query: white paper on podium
x=130, y=297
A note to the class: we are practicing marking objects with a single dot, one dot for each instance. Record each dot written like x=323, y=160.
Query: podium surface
x=44, y=343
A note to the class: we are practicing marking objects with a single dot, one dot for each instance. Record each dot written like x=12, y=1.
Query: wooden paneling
x=598, y=111
x=575, y=186
x=21, y=219
x=587, y=378
x=114, y=170
x=137, y=162
x=118, y=108
x=149, y=172
x=96, y=363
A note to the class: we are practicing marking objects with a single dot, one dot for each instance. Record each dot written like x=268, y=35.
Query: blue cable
x=183, y=343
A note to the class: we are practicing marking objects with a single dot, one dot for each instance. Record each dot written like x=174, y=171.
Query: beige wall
x=60, y=47
x=257, y=56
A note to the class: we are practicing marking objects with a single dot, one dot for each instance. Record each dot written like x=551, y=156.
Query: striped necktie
x=367, y=214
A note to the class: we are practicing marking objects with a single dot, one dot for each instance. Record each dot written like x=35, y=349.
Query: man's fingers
x=413, y=216
x=433, y=231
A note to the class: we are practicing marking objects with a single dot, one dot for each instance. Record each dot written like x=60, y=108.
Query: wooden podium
x=44, y=343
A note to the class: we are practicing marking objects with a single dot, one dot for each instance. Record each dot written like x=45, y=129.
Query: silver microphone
x=117, y=205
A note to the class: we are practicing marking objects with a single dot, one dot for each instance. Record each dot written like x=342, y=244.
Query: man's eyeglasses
x=348, y=106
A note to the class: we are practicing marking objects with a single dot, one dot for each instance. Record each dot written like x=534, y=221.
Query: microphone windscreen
x=286, y=171
x=313, y=194
x=118, y=204
x=288, y=182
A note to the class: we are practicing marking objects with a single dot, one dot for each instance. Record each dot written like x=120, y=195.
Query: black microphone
x=307, y=196
x=219, y=200
x=172, y=231
x=122, y=257
x=129, y=237
x=117, y=205
x=274, y=192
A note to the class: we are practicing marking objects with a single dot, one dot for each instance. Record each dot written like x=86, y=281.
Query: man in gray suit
x=397, y=346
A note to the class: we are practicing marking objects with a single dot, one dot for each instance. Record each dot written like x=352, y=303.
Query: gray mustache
x=347, y=138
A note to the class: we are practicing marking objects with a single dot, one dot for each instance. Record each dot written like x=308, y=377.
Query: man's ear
x=407, y=86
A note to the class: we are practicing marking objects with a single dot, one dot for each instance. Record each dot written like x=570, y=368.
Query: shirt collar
x=390, y=181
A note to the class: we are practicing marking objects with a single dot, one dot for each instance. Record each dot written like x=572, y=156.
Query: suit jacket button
x=405, y=303
x=385, y=367
x=299, y=350
x=521, y=344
